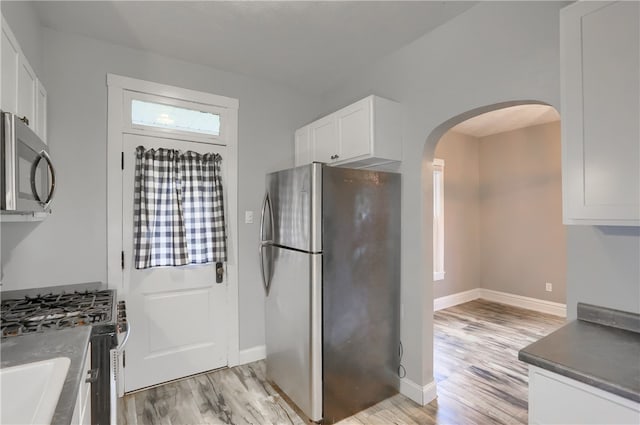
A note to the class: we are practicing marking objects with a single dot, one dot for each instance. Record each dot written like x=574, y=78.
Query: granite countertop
x=601, y=348
x=71, y=343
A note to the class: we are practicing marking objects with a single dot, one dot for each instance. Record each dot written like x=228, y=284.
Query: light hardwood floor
x=479, y=380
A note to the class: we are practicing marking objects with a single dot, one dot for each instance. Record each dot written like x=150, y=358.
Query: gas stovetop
x=40, y=313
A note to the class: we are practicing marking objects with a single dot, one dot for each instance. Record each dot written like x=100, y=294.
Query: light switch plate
x=248, y=217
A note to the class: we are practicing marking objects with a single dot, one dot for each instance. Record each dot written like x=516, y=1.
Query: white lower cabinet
x=82, y=411
x=556, y=399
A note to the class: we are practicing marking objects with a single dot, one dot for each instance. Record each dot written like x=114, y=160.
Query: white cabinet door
x=41, y=111
x=303, y=151
x=9, y=76
x=82, y=411
x=27, y=88
x=354, y=129
x=600, y=73
x=324, y=139
x=22, y=91
x=556, y=399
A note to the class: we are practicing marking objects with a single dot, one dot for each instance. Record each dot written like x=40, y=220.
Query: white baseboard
x=252, y=354
x=535, y=304
x=421, y=395
x=549, y=307
x=455, y=299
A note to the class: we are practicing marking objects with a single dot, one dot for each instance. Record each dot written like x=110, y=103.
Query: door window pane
x=174, y=118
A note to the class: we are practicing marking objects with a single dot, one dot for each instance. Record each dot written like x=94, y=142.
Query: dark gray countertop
x=71, y=343
x=598, y=354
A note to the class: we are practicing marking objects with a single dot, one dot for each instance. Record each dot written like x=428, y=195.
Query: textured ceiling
x=309, y=46
x=507, y=119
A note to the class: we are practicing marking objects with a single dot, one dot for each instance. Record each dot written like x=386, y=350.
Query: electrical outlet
x=548, y=287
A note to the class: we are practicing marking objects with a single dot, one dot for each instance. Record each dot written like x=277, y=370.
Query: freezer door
x=361, y=289
x=295, y=197
x=293, y=328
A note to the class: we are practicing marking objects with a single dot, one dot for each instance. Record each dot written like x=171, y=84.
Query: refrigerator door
x=293, y=328
x=295, y=196
x=361, y=289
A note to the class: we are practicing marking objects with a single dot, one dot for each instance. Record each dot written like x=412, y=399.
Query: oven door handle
x=52, y=185
x=92, y=376
x=126, y=338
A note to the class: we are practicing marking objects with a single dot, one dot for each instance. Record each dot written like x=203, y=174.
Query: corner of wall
x=422, y=395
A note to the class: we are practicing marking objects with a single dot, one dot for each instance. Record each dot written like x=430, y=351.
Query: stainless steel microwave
x=28, y=178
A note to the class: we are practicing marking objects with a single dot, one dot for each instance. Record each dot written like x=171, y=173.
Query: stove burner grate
x=55, y=311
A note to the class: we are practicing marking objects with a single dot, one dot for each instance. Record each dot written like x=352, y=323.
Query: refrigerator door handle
x=266, y=204
x=264, y=208
x=266, y=280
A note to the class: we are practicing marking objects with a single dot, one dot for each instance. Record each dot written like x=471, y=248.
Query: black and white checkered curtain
x=178, y=208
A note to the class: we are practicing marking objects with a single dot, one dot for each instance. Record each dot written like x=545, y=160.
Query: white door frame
x=117, y=124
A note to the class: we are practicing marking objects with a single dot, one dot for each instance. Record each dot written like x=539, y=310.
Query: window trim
x=130, y=96
x=438, y=234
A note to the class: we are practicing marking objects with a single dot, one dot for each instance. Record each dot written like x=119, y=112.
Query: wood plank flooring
x=479, y=380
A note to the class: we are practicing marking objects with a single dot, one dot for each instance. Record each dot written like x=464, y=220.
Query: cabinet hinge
x=122, y=160
x=122, y=259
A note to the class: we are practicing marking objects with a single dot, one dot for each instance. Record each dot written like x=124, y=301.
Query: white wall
x=70, y=246
x=603, y=267
x=495, y=52
x=522, y=238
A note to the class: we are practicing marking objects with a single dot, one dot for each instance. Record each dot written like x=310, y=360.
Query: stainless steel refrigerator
x=330, y=263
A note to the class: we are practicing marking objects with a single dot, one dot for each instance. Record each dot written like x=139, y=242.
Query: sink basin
x=30, y=391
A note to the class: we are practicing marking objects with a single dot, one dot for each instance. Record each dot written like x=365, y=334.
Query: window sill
x=438, y=276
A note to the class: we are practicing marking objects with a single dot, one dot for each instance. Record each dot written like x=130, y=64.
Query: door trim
x=117, y=87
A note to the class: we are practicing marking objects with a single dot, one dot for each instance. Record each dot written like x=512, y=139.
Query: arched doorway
x=476, y=343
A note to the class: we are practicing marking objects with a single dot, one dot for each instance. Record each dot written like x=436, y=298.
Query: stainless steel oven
x=106, y=355
x=28, y=178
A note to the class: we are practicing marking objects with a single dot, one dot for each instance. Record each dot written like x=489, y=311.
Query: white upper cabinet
x=364, y=134
x=27, y=90
x=41, y=111
x=22, y=92
x=600, y=75
x=354, y=129
x=10, y=55
x=302, y=147
x=325, y=145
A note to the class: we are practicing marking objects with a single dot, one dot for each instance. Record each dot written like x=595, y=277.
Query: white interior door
x=177, y=314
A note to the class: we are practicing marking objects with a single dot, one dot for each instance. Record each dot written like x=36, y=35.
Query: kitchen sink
x=30, y=391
